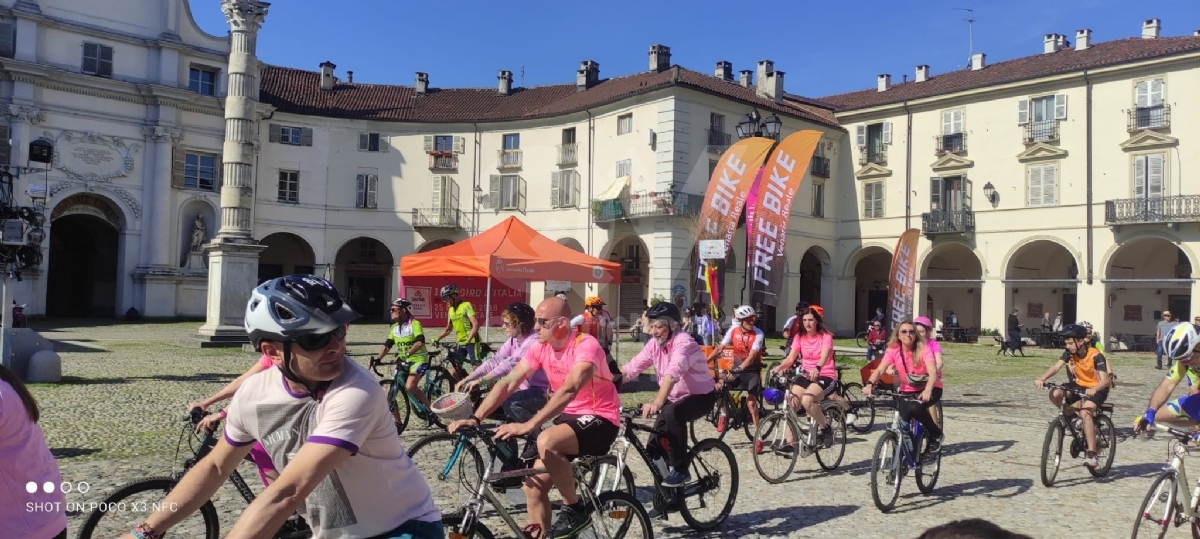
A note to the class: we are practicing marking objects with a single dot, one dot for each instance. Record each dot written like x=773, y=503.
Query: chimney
x=724, y=71
x=922, y=73
x=746, y=78
x=1083, y=39
x=422, y=83
x=772, y=87
x=1054, y=43
x=327, y=68
x=505, y=82
x=978, y=61
x=660, y=58
x=885, y=82
x=1150, y=28
x=349, y=77
x=764, y=67
x=1196, y=33
x=587, y=76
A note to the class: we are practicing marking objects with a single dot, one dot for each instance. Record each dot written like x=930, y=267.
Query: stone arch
x=85, y=263
x=949, y=280
x=625, y=298
x=1023, y=247
x=363, y=272
x=434, y=244
x=97, y=205
x=814, y=267
x=286, y=253
x=870, y=273
x=1140, y=237
x=578, y=291
x=1144, y=275
x=863, y=251
x=572, y=243
x=188, y=211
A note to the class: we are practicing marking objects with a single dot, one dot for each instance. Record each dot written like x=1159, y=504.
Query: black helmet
x=523, y=313
x=1073, y=331
x=665, y=309
x=802, y=305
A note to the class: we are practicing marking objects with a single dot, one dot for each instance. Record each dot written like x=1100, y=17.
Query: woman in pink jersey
x=266, y=469
x=31, y=505
x=925, y=332
x=917, y=374
x=813, y=345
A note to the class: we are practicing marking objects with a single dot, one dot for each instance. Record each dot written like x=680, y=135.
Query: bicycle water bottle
x=658, y=456
x=905, y=429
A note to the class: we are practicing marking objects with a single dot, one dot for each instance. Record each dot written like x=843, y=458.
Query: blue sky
x=824, y=47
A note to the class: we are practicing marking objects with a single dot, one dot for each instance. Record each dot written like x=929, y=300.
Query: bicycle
x=458, y=360
x=897, y=452
x=1170, y=488
x=621, y=507
x=862, y=407
x=126, y=508
x=730, y=412
x=705, y=476
x=435, y=381
x=782, y=431
x=1106, y=438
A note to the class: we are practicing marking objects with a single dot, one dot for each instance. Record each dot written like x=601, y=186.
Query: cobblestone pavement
x=126, y=378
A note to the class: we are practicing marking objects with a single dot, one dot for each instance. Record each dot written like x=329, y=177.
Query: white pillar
x=1091, y=304
x=993, y=309
x=156, y=242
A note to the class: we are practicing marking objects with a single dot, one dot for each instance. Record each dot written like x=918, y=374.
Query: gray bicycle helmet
x=287, y=307
x=448, y=290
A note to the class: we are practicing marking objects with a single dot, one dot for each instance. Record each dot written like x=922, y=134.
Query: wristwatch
x=475, y=419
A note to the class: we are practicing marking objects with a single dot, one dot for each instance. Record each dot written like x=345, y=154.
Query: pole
x=6, y=294
x=617, y=345
x=487, y=313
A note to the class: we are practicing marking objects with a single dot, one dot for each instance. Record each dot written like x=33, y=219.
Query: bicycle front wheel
x=1052, y=451
x=398, y=404
x=861, y=339
x=830, y=457
x=885, y=472
x=1106, y=446
x=618, y=516
x=602, y=477
x=862, y=408
x=437, y=382
x=780, y=447
x=1159, y=509
x=710, y=498
x=451, y=466
x=132, y=503
x=928, y=469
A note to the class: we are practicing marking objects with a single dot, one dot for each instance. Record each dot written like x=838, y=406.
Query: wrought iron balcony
x=1152, y=210
x=951, y=143
x=508, y=159
x=443, y=161
x=718, y=141
x=1041, y=131
x=1149, y=117
x=873, y=154
x=948, y=222
x=646, y=205
x=819, y=166
x=568, y=154
x=437, y=218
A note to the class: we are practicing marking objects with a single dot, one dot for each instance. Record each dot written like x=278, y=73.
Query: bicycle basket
x=452, y=406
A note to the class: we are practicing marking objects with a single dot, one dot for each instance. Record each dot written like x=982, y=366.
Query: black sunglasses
x=312, y=343
x=545, y=322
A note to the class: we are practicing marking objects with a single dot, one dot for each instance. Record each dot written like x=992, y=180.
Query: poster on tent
x=431, y=310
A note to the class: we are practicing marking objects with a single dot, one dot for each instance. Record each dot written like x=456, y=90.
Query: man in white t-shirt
x=325, y=422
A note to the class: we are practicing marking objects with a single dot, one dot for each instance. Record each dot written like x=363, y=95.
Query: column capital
x=158, y=133
x=30, y=115
x=246, y=15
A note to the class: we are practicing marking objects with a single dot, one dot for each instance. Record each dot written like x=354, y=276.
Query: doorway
x=876, y=299
x=1068, y=310
x=1181, y=306
x=367, y=296
x=82, y=280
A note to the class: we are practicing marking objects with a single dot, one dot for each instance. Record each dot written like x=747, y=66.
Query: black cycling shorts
x=828, y=385
x=1072, y=398
x=594, y=434
x=749, y=381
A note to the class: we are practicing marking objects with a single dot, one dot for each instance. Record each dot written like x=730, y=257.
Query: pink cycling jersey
x=903, y=361
x=810, y=347
x=597, y=397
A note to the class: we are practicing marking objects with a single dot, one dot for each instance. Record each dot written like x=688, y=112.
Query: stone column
x=156, y=243
x=994, y=306
x=233, y=253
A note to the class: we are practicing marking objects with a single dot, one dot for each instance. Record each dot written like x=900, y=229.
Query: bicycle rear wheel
x=132, y=503
x=618, y=516
x=885, y=472
x=781, y=447
x=436, y=382
x=451, y=466
x=1052, y=451
x=860, y=339
x=862, y=408
x=830, y=457
x=928, y=469
x=1159, y=509
x=713, y=417
x=602, y=477
x=1106, y=446
x=398, y=404
x=715, y=485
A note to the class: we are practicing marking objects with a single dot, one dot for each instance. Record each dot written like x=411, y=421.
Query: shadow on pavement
x=780, y=522
x=1004, y=488
x=199, y=377
x=68, y=452
x=985, y=446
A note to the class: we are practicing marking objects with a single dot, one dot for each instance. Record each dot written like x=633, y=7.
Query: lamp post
x=750, y=126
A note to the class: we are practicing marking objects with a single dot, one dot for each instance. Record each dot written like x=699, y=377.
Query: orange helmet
x=593, y=301
x=818, y=309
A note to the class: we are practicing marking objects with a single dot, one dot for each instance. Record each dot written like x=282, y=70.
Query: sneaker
x=1159, y=366
x=676, y=478
x=758, y=447
x=571, y=520
x=786, y=449
x=530, y=453
x=1090, y=461
x=851, y=417
x=827, y=437
x=933, y=446
x=721, y=424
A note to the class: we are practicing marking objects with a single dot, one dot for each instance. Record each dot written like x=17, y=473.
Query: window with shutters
x=624, y=123
x=1150, y=110
x=872, y=141
x=1149, y=174
x=953, y=138
x=564, y=189
x=511, y=193
x=294, y=136
x=818, y=209
x=366, y=187
x=1042, y=189
x=872, y=200
x=97, y=60
x=290, y=135
x=624, y=168
x=443, y=143
x=200, y=171
x=1040, y=116
x=372, y=142
x=950, y=195
x=202, y=80
x=289, y=186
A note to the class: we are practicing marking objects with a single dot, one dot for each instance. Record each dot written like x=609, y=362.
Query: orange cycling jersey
x=741, y=344
x=1087, y=368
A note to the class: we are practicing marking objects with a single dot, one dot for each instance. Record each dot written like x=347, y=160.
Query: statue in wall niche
x=198, y=233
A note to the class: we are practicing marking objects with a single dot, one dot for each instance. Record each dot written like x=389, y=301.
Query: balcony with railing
x=443, y=161
x=948, y=222
x=1149, y=117
x=1172, y=209
x=568, y=154
x=954, y=143
x=652, y=204
x=1043, y=131
x=820, y=166
x=718, y=141
x=508, y=159
x=438, y=218
x=873, y=154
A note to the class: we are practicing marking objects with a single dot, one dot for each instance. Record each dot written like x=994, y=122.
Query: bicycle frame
x=1187, y=498
x=626, y=438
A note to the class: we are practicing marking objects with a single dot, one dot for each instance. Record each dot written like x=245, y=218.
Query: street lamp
x=989, y=191
x=751, y=127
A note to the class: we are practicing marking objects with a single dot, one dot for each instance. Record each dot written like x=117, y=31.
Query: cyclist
x=1180, y=347
x=813, y=345
x=460, y=317
x=590, y=411
x=915, y=365
x=27, y=461
x=312, y=412
x=876, y=341
x=408, y=337
x=1090, y=373
x=266, y=469
x=1092, y=337
x=518, y=321
x=925, y=329
x=743, y=345
x=686, y=391
x=791, y=327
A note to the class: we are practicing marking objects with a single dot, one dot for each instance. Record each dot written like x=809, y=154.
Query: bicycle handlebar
x=894, y=395
x=1050, y=386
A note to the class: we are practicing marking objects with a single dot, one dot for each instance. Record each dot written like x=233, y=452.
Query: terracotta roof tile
x=298, y=91
x=1029, y=67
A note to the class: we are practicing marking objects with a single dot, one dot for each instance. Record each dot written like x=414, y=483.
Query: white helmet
x=744, y=312
x=1182, y=342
